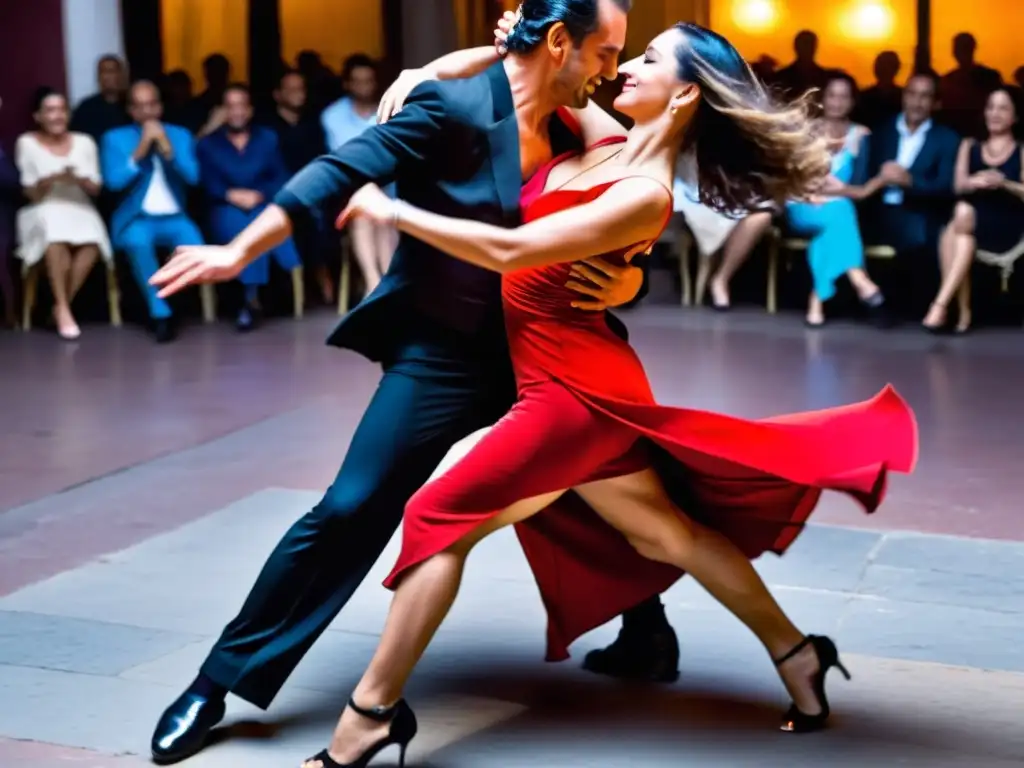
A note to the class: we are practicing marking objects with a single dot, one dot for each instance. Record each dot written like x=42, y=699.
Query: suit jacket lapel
x=922, y=161
x=503, y=138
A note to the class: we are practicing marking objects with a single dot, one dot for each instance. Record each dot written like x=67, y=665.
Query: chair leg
x=703, y=274
x=684, y=245
x=298, y=292
x=208, y=298
x=346, y=276
x=773, y=278
x=30, y=281
x=113, y=296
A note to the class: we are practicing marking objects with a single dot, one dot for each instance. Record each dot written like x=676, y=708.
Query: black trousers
x=433, y=393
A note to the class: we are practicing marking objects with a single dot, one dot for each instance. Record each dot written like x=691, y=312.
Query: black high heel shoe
x=403, y=730
x=794, y=720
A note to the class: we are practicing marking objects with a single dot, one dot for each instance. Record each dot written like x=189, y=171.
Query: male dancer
x=462, y=148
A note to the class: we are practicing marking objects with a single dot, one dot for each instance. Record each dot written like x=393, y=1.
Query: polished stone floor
x=141, y=487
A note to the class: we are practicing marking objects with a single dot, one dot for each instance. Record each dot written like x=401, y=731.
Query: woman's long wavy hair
x=751, y=149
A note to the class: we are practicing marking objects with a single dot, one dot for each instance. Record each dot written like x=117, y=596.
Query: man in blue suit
x=914, y=159
x=241, y=170
x=151, y=165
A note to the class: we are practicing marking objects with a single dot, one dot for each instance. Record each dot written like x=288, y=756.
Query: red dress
x=586, y=412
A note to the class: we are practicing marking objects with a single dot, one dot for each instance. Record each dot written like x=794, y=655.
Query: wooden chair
x=208, y=299
x=30, y=279
x=793, y=244
x=679, y=239
x=1003, y=261
x=685, y=247
x=345, y=279
x=298, y=292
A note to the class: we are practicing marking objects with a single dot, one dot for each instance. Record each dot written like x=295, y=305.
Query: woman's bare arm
x=1016, y=186
x=961, y=172
x=634, y=213
x=464, y=63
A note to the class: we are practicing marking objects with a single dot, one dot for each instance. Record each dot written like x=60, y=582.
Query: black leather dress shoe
x=248, y=319
x=634, y=655
x=163, y=331
x=184, y=726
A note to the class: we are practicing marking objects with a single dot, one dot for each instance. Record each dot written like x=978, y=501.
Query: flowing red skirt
x=755, y=481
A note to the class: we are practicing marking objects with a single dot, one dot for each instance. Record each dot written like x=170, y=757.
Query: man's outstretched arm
x=376, y=155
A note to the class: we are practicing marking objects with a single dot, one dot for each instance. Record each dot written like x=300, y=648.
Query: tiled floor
x=122, y=462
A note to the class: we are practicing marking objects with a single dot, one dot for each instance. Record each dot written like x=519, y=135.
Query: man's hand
x=608, y=285
x=196, y=264
x=895, y=174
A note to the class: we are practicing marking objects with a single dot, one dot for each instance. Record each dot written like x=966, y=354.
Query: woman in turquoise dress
x=829, y=223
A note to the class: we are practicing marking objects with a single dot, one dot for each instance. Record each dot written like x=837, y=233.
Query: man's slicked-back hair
x=581, y=18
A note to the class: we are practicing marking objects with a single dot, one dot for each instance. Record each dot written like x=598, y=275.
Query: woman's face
x=652, y=84
x=838, y=100
x=52, y=116
x=1000, y=114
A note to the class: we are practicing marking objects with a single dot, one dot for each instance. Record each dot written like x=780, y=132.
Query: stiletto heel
x=403, y=730
x=794, y=720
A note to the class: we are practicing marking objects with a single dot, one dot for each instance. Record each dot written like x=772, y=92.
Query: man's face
x=144, y=104
x=362, y=84
x=110, y=76
x=596, y=58
x=292, y=93
x=919, y=99
x=237, y=109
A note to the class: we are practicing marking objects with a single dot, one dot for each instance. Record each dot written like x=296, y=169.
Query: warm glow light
x=869, y=20
x=756, y=16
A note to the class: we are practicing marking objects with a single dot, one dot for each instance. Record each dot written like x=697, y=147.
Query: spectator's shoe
x=247, y=320
x=635, y=655
x=878, y=313
x=184, y=727
x=163, y=331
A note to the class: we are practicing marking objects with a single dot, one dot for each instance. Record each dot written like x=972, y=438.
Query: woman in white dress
x=60, y=176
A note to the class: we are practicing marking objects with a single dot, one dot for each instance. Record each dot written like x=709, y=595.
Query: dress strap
x=607, y=141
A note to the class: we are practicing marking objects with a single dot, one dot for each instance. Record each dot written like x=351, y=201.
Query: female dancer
x=586, y=416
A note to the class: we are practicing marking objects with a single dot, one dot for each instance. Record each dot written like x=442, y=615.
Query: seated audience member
x=883, y=100
x=301, y=140
x=60, y=176
x=176, y=91
x=105, y=109
x=835, y=247
x=990, y=213
x=10, y=196
x=712, y=231
x=241, y=170
x=904, y=177
x=151, y=164
x=963, y=91
x=804, y=73
x=372, y=244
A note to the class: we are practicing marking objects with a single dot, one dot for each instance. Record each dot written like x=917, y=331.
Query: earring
x=674, y=110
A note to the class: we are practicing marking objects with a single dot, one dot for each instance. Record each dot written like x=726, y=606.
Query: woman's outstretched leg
x=421, y=602
x=549, y=435
x=638, y=506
